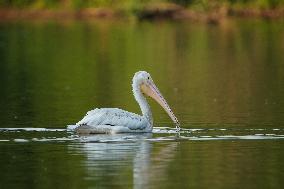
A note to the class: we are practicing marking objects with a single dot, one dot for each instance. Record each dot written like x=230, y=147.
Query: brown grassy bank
x=149, y=12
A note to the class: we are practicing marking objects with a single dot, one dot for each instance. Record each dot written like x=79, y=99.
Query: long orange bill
x=151, y=90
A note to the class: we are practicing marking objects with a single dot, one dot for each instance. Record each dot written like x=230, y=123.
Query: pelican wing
x=113, y=117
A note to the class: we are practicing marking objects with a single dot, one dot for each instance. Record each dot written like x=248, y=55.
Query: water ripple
x=159, y=134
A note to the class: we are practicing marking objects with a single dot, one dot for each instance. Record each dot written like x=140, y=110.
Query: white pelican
x=114, y=120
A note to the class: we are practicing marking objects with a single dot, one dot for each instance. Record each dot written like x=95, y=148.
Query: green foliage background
x=130, y=3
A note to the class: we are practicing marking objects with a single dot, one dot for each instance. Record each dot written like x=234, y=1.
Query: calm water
x=225, y=84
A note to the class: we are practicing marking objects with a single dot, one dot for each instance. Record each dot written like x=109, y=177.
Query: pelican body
x=115, y=120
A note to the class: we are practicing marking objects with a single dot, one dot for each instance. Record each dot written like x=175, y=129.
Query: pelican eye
x=148, y=77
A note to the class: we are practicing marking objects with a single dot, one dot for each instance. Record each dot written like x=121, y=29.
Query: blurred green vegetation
x=129, y=4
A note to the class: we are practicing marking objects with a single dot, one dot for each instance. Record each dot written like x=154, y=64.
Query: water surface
x=225, y=84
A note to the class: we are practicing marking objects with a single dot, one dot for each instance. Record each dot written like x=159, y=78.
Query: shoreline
x=167, y=11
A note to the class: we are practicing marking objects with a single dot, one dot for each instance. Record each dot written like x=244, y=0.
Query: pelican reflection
x=125, y=159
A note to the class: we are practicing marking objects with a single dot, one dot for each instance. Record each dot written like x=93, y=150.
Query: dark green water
x=225, y=84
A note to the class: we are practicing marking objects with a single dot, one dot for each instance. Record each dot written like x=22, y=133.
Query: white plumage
x=112, y=120
x=115, y=120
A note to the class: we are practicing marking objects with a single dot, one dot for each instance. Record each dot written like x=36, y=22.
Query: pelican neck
x=141, y=100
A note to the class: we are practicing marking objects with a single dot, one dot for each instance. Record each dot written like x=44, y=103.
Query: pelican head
x=147, y=86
